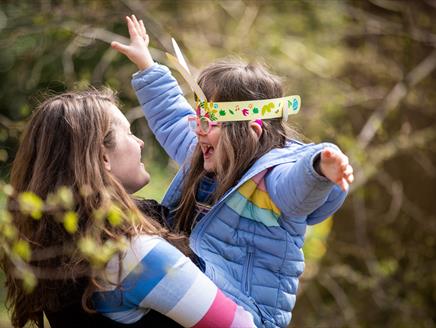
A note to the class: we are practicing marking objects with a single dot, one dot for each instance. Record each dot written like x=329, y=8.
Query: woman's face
x=124, y=160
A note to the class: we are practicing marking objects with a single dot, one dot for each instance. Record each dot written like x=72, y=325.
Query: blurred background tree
x=366, y=74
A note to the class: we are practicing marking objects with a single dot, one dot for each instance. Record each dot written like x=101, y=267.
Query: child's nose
x=200, y=131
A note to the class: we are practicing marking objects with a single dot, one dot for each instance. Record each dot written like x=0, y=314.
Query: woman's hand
x=334, y=166
x=137, y=51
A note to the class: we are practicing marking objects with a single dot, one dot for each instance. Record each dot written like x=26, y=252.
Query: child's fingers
x=347, y=169
x=343, y=184
x=131, y=26
x=143, y=30
x=119, y=47
x=137, y=25
x=331, y=155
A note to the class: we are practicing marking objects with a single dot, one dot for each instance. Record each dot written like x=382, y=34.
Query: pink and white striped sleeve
x=160, y=277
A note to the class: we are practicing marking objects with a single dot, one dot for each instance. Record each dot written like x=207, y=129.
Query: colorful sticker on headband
x=249, y=110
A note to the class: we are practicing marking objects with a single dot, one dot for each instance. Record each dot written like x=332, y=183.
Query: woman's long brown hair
x=238, y=148
x=63, y=145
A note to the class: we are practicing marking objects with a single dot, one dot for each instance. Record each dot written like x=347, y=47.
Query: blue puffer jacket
x=251, y=239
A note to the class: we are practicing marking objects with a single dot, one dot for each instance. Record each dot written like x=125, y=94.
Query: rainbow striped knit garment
x=253, y=202
x=155, y=275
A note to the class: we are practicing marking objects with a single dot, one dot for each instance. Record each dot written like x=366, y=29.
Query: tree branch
x=380, y=154
x=341, y=299
x=395, y=96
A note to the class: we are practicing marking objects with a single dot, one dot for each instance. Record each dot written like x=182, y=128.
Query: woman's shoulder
x=154, y=210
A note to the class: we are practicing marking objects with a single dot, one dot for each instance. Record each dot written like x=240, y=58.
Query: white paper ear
x=180, y=64
x=179, y=55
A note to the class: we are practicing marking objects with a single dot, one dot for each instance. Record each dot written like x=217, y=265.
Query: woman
x=82, y=140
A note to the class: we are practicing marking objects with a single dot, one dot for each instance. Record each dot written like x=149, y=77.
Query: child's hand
x=334, y=166
x=137, y=51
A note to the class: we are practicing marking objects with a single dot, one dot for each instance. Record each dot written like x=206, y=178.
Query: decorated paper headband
x=234, y=110
x=249, y=110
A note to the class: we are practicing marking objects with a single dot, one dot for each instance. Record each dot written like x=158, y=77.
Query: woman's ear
x=106, y=162
x=256, y=128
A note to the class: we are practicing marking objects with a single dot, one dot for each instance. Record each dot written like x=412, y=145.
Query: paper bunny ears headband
x=235, y=110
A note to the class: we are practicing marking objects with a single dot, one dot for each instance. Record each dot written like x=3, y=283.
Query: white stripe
x=140, y=246
x=167, y=286
x=196, y=302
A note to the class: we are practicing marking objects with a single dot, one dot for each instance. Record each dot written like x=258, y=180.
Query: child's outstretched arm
x=159, y=94
x=316, y=183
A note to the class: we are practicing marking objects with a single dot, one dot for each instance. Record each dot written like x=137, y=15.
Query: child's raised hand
x=137, y=51
x=334, y=166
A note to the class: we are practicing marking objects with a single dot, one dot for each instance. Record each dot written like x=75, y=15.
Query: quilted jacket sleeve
x=166, y=110
x=300, y=192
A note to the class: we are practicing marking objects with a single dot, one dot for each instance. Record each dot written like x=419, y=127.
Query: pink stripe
x=259, y=176
x=261, y=185
x=259, y=180
x=242, y=318
x=220, y=314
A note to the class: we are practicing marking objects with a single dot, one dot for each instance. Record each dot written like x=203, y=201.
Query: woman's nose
x=141, y=143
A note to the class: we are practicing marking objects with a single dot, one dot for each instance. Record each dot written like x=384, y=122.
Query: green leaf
x=5, y=217
x=7, y=229
x=9, y=232
x=29, y=281
x=114, y=215
x=87, y=246
x=71, y=221
x=66, y=197
x=31, y=204
x=8, y=190
x=22, y=249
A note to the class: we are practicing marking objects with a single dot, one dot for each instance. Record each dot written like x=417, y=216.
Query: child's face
x=208, y=144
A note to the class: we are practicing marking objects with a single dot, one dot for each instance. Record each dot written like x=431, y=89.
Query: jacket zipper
x=247, y=271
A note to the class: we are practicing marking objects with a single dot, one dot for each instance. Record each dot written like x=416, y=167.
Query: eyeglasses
x=203, y=123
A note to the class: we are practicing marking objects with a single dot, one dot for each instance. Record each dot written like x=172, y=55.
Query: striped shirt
x=155, y=275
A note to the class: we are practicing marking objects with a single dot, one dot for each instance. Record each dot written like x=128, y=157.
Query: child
x=246, y=191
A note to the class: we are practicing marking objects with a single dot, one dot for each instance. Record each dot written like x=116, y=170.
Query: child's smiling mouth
x=207, y=150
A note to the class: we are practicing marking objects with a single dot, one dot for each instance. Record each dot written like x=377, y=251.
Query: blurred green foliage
x=366, y=74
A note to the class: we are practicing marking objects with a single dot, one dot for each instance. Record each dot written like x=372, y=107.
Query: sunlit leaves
x=71, y=221
x=21, y=248
x=8, y=190
x=315, y=246
x=87, y=246
x=66, y=197
x=7, y=229
x=114, y=215
x=59, y=208
x=387, y=267
x=31, y=204
x=61, y=199
x=29, y=281
x=97, y=254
